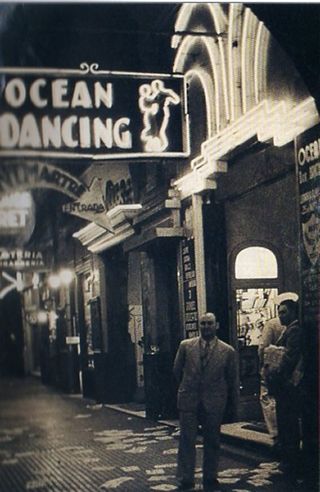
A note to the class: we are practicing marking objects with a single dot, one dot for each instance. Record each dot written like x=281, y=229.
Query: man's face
x=208, y=326
x=285, y=315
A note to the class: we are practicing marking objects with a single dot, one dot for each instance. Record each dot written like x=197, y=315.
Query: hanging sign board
x=91, y=113
x=104, y=192
x=17, y=217
x=22, y=260
x=89, y=203
x=72, y=340
x=116, y=184
x=7, y=283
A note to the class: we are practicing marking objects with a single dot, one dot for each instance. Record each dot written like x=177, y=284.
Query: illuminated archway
x=250, y=94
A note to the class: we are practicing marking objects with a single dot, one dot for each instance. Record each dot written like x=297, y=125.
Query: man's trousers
x=189, y=422
x=268, y=405
x=288, y=413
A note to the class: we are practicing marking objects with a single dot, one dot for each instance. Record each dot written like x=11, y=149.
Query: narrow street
x=56, y=442
x=159, y=233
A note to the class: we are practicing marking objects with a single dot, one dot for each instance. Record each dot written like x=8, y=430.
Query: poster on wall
x=308, y=171
x=189, y=288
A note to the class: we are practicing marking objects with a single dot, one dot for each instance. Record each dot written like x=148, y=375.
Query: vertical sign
x=308, y=171
x=308, y=168
x=189, y=288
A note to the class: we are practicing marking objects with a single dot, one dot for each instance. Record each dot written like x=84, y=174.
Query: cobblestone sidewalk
x=54, y=442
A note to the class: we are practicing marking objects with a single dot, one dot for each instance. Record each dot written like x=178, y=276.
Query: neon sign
x=90, y=113
x=154, y=102
x=17, y=217
x=89, y=202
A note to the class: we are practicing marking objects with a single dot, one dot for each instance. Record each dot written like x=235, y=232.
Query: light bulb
x=66, y=276
x=54, y=281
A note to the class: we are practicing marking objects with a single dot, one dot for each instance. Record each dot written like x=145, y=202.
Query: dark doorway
x=161, y=327
x=11, y=336
x=120, y=378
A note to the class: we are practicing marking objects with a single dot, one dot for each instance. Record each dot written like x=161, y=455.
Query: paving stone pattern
x=55, y=442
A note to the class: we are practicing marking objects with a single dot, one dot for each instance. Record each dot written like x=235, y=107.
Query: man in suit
x=205, y=368
x=270, y=335
x=286, y=387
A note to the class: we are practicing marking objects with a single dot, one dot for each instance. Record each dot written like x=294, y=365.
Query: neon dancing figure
x=154, y=102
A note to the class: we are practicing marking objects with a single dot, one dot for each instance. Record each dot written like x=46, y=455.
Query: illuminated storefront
x=241, y=180
x=191, y=203
x=216, y=231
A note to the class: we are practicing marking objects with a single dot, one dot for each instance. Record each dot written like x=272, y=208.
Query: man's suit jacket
x=270, y=335
x=291, y=339
x=213, y=386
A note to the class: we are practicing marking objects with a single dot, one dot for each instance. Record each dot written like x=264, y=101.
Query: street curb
x=254, y=441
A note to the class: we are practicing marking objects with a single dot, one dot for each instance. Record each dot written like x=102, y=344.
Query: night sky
x=117, y=36
x=136, y=36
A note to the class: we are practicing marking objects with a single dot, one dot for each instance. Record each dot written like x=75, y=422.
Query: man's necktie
x=205, y=355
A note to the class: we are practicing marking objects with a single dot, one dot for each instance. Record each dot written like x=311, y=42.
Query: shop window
x=256, y=262
x=256, y=281
x=256, y=274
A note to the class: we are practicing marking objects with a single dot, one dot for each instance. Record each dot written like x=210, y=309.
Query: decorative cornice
x=121, y=213
x=194, y=183
x=277, y=123
x=88, y=233
x=96, y=239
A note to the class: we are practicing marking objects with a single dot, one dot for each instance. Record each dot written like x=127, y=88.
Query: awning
x=97, y=239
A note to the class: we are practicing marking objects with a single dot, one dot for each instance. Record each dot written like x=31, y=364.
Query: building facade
x=218, y=230
x=226, y=228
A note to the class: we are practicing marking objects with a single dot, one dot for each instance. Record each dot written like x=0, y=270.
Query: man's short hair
x=292, y=306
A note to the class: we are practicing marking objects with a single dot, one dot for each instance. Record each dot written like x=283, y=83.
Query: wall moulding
x=276, y=124
x=96, y=239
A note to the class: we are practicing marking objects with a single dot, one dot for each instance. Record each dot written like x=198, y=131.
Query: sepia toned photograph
x=159, y=246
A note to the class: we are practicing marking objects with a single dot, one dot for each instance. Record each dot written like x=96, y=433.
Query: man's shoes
x=186, y=485
x=212, y=486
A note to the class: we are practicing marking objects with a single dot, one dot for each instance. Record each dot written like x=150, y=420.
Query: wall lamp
x=42, y=317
